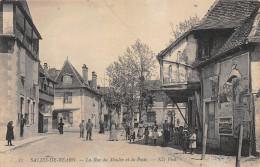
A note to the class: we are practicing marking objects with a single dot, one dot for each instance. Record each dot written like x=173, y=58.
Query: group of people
x=10, y=130
x=89, y=127
x=179, y=136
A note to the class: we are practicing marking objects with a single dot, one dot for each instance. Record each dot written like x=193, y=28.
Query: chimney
x=94, y=80
x=45, y=67
x=85, y=73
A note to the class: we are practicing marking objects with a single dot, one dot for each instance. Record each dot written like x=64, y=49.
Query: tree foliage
x=183, y=27
x=127, y=77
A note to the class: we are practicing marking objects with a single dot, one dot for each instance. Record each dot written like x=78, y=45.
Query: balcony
x=28, y=44
x=179, y=80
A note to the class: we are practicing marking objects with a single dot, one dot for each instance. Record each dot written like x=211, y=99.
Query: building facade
x=225, y=60
x=46, y=100
x=76, y=98
x=19, y=58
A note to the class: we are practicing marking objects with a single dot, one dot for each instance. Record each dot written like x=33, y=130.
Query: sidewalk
x=19, y=143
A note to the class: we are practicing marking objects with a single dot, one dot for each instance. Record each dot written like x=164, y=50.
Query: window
x=151, y=116
x=66, y=79
x=68, y=97
x=32, y=112
x=21, y=108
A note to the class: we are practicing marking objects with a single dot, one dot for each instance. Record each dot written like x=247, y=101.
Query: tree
x=127, y=77
x=183, y=27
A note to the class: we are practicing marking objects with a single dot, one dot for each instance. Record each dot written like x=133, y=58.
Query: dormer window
x=66, y=79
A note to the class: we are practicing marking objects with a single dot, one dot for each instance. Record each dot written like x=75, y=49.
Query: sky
x=96, y=32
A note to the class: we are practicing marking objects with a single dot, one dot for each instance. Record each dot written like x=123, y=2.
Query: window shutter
x=35, y=73
x=22, y=62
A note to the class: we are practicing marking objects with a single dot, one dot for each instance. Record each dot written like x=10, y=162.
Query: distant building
x=19, y=60
x=214, y=69
x=76, y=98
x=46, y=100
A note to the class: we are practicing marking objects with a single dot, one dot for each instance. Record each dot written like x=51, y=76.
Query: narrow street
x=70, y=150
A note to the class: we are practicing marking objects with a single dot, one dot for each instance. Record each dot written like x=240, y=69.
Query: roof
x=23, y=4
x=228, y=14
x=241, y=16
x=77, y=80
x=41, y=71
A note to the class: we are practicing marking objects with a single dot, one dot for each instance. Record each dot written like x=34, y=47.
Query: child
x=146, y=135
x=132, y=135
x=192, y=140
x=185, y=142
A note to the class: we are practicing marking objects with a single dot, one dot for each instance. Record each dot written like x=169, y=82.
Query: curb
x=16, y=147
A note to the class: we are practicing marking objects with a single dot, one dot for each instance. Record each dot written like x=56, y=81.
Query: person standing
x=10, y=133
x=81, y=128
x=127, y=131
x=155, y=134
x=132, y=135
x=192, y=140
x=61, y=124
x=22, y=122
x=146, y=135
x=89, y=127
x=165, y=132
x=113, y=133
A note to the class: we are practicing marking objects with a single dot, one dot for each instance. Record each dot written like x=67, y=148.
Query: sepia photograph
x=130, y=83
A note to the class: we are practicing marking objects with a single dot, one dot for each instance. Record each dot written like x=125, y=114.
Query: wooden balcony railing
x=20, y=34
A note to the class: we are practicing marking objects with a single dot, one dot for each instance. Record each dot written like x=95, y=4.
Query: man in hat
x=89, y=126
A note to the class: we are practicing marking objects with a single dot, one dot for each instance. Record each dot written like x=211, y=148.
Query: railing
x=177, y=73
x=20, y=34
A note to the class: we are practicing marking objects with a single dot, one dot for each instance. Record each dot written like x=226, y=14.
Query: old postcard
x=129, y=83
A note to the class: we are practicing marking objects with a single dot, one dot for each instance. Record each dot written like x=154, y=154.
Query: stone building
x=46, y=100
x=76, y=98
x=19, y=59
x=218, y=62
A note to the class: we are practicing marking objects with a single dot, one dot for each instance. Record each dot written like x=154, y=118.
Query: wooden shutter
x=22, y=63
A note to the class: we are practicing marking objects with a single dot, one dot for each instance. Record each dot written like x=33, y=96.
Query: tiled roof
x=77, y=80
x=239, y=37
x=228, y=14
x=69, y=69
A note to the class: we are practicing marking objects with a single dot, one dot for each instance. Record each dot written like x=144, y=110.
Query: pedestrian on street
x=81, y=128
x=165, y=131
x=192, y=140
x=113, y=132
x=146, y=135
x=155, y=134
x=132, y=135
x=185, y=143
x=171, y=129
x=127, y=131
x=89, y=127
x=61, y=124
x=140, y=130
x=10, y=133
x=22, y=122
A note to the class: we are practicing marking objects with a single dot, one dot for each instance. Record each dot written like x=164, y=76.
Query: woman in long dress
x=155, y=134
x=113, y=133
x=10, y=133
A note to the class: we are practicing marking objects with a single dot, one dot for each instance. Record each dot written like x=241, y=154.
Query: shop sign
x=226, y=126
